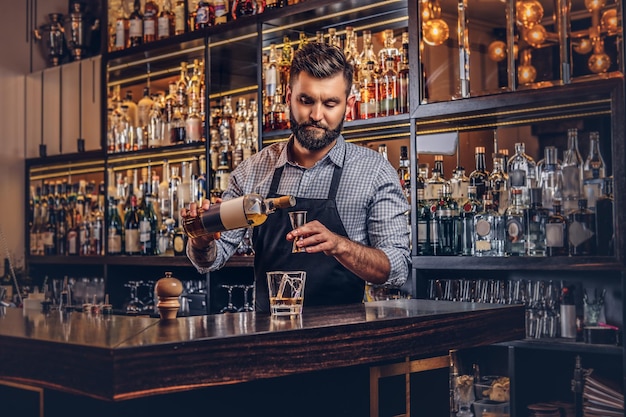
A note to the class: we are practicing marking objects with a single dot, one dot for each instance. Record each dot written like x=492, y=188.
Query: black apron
x=327, y=281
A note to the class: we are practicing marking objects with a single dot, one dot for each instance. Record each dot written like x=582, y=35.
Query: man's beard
x=308, y=139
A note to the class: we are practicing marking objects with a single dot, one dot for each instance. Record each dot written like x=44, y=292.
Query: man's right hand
x=200, y=243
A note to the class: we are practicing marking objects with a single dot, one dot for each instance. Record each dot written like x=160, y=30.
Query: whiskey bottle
x=581, y=226
x=435, y=183
x=467, y=212
x=166, y=21
x=536, y=218
x=245, y=211
x=205, y=15
x=180, y=20
x=369, y=96
x=122, y=40
x=515, y=225
x=594, y=171
x=489, y=234
x=135, y=30
x=403, y=78
x=148, y=225
x=270, y=73
x=605, y=206
x=143, y=109
x=388, y=89
x=150, y=18
x=479, y=178
x=221, y=11
x=243, y=8
x=498, y=183
x=557, y=242
x=572, y=168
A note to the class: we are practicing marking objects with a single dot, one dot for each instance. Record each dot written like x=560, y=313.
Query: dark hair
x=321, y=60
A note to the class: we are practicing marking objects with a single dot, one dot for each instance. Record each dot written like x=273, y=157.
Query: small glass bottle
x=551, y=180
x=205, y=15
x=536, y=217
x=247, y=210
x=479, y=177
x=488, y=230
x=572, y=168
x=581, y=225
x=180, y=22
x=522, y=172
x=498, y=183
x=515, y=225
x=557, y=242
x=468, y=210
x=594, y=171
x=135, y=31
x=459, y=184
x=435, y=183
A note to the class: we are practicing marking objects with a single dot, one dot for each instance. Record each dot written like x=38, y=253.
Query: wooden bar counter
x=118, y=359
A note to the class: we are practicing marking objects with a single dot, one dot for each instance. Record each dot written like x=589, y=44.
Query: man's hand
x=199, y=243
x=317, y=238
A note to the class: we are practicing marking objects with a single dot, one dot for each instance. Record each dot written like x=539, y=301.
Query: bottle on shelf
x=150, y=21
x=557, y=241
x=132, y=244
x=467, y=212
x=388, y=88
x=522, y=172
x=135, y=25
x=144, y=105
x=166, y=21
x=403, y=76
x=424, y=228
x=479, y=177
x=148, y=225
x=205, y=15
x=572, y=168
x=435, y=183
x=122, y=26
x=515, y=244
x=581, y=225
x=221, y=11
x=404, y=171
x=605, y=208
x=551, y=180
x=180, y=17
x=498, y=183
x=368, y=108
x=245, y=211
x=594, y=171
x=446, y=216
x=536, y=218
x=489, y=230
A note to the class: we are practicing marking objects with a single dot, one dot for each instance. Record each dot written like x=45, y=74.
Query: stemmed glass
x=134, y=305
x=230, y=307
x=247, y=306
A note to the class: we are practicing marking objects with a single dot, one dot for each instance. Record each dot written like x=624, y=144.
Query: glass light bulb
x=435, y=32
x=599, y=63
x=526, y=74
x=608, y=22
x=497, y=51
x=592, y=5
x=529, y=12
x=536, y=35
x=583, y=46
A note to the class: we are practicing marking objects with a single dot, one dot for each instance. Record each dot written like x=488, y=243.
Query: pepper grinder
x=168, y=289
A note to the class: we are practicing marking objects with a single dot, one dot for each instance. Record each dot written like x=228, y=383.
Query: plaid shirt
x=370, y=201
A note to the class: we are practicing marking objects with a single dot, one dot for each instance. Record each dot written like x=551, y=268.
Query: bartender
x=357, y=229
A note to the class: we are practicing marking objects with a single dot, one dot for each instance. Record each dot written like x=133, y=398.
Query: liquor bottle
x=551, y=180
x=388, y=89
x=557, y=242
x=135, y=30
x=156, y=126
x=515, y=225
x=424, y=245
x=205, y=15
x=422, y=175
x=243, y=8
x=447, y=218
x=368, y=108
x=177, y=127
x=367, y=53
x=143, y=109
x=404, y=171
x=536, y=218
x=270, y=73
x=479, y=177
x=581, y=225
x=122, y=40
x=221, y=11
x=174, y=189
x=572, y=168
x=180, y=20
x=467, y=212
x=244, y=211
x=150, y=18
x=273, y=4
x=521, y=170
x=403, y=78
x=61, y=215
x=284, y=65
x=164, y=202
x=193, y=125
x=148, y=225
x=240, y=141
x=131, y=229
x=182, y=96
x=166, y=21
x=498, y=183
x=489, y=231
x=50, y=231
x=594, y=171
x=605, y=206
x=436, y=181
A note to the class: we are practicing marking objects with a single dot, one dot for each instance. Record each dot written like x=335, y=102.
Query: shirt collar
x=336, y=154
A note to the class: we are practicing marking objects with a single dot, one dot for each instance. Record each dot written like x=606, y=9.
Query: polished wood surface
x=117, y=357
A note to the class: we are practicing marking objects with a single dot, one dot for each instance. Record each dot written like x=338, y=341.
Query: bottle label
x=163, y=27
x=179, y=14
x=144, y=231
x=131, y=240
x=221, y=13
x=115, y=242
x=579, y=233
x=202, y=16
x=514, y=229
x=517, y=178
x=136, y=28
x=554, y=235
x=119, y=34
x=149, y=27
x=72, y=242
x=482, y=228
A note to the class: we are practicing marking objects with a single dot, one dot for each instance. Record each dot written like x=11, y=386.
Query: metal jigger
x=78, y=30
x=168, y=289
x=54, y=42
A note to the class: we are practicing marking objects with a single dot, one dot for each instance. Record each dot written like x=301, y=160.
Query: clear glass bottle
x=516, y=225
x=522, y=170
x=489, y=235
x=403, y=79
x=572, y=168
x=468, y=210
x=605, y=208
x=435, y=183
x=557, y=242
x=388, y=89
x=447, y=218
x=424, y=229
x=459, y=184
x=368, y=108
x=479, y=178
x=244, y=211
x=536, y=218
x=594, y=171
x=581, y=225
x=143, y=108
x=156, y=126
x=551, y=180
x=498, y=183
x=193, y=125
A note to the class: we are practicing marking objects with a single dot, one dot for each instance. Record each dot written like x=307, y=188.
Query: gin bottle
x=498, y=183
x=515, y=244
x=435, y=183
x=468, y=210
x=582, y=230
x=459, y=184
x=572, y=168
x=521, y=170
x=557, y=242
x=551, y=180
x=594, y=171
x=479, y=177
x=536, y=217
x=488, y=230
x=447, y=217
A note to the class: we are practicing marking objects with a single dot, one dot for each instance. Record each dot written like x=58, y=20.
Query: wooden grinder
x=168, y=289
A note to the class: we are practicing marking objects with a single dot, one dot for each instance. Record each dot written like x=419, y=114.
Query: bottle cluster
x=522, y=208
x=162, y=119
x=381, y=79
x=158, y=20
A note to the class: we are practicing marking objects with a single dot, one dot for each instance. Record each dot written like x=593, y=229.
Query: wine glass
x=247, y=306
x=230, y=307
